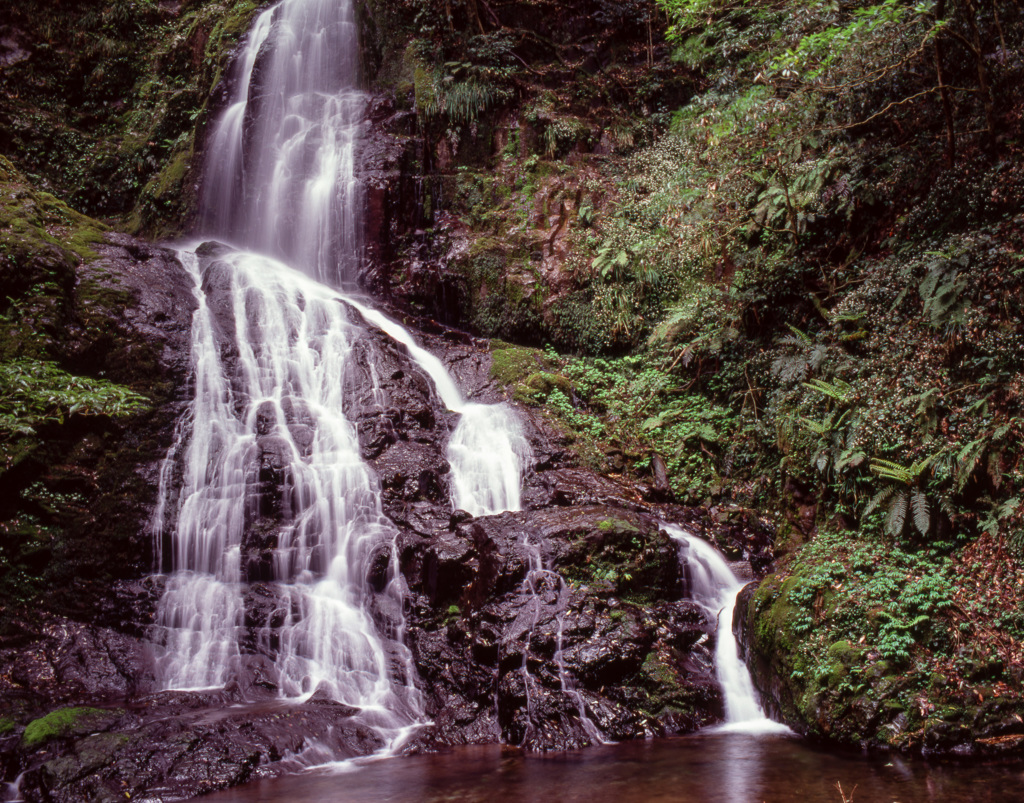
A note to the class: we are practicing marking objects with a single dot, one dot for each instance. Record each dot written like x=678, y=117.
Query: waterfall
x=280, y=177
x=712, y=584
x=487, y=451
x=268, y=367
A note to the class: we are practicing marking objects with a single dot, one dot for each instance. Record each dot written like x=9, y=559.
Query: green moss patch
x=61, y=723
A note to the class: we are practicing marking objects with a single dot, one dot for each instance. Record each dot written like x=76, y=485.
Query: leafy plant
x=34, y=392
x=903, y=495
x=942, y=292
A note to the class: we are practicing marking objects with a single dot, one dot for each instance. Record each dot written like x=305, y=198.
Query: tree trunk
x=947, y=102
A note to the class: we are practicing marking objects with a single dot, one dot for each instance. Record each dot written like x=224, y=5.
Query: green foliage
x=942, y=291
x=463, y=93
x=111, y=96
x=34, y=393
x=866, y=591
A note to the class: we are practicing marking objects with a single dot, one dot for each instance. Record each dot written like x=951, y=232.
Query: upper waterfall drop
x=280, y=169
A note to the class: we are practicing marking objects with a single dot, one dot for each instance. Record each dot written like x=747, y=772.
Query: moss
x=667, y=691
x=7, y=725
x=59, y=723
x=619, y=526
x=37, y=222
x=236, y=22
x=511, y=365
x=544, y=382
x=846, y=653
x=171, y=178
x=423, y=83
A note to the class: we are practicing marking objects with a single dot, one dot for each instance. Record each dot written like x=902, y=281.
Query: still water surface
x=702, y=768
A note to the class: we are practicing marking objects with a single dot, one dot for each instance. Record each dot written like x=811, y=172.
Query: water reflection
x=704, y=768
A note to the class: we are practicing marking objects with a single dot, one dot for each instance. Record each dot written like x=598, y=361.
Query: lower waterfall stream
x=713, y=584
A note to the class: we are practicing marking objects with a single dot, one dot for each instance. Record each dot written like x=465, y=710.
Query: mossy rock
x=543, y=383
x=628, y=558
x=90, y=754
x=510, y=364
x=62, y=723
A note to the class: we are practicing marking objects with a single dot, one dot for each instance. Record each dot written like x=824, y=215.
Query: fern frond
x=898, y=513
x=889, y=470
x=814, y=426
x=922, y=512
x=838, y=390
x=801, y=336
x=879, y=498
x=966, y=459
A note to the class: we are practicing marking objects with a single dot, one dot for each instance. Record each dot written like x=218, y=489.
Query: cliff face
x=529, y=628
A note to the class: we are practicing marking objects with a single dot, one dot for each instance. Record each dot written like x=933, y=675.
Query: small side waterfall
x=713, y=585
x=487, y=451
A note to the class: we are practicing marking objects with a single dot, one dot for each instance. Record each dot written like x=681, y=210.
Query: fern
x=906, y=475
x=904, y=496
x=838, y=390
x=966, y=459
x=922, y=512
x=898, y=513
x=801, y=337
x=879, y=499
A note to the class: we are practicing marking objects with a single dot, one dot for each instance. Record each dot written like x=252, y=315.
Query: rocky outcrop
x=77, y=492
x=175, y=746
x=556, y=627
x=852, y=696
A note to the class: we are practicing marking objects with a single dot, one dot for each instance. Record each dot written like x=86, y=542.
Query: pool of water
x=709, y=767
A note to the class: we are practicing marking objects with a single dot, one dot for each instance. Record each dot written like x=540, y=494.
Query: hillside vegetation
x=780, y=271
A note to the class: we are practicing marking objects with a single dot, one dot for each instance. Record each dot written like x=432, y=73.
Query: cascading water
x=487, y=451
x=712, y=584
x=280, y=178
x=269, y=397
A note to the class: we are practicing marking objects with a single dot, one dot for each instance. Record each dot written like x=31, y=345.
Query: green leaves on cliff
x=462, y=92
x=34, y=393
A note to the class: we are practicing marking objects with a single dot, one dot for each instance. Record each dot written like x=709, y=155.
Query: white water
x=280, y=185
x=293, y=338
x=539, y=582
x=712, y=584
x=280, y=175
x=487, y=451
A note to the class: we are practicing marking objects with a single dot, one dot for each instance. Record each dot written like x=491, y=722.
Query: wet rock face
x=124, y=316
x=555, y=628
x=178, y=745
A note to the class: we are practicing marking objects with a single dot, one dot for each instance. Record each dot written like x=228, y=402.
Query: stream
x=707, y=767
